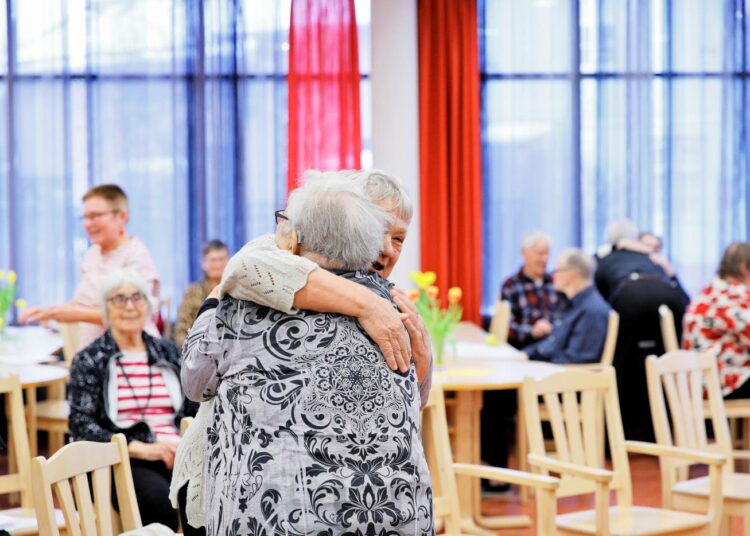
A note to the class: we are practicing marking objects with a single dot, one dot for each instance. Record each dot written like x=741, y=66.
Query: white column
x=395, y=111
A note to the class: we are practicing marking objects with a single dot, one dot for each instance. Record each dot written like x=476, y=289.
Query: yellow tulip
x=423, y=279
x=2, y=275
x=432, y=292
x=12, y=277
x=2, y=322
x=21, y=303
x=454, y=294
x=413, y=294
x=491, y=340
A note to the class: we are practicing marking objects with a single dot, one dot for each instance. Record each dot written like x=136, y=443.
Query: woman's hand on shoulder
x=153, y=452
x=383, y=324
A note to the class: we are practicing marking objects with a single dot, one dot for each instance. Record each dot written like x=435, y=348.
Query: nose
x=387, y=247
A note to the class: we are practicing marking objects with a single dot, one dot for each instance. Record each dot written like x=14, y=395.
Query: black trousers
x=497, y=428
x=637, y=303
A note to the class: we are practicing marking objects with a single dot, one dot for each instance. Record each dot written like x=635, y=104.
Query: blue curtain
x=596, y=110
x=181, y=102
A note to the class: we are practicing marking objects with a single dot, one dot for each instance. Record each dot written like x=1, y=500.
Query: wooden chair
x=573, y=398
x=443, y=472
x=165, y=311
x=87, y=511
x=500, y=324
x=20, y=481
x=185, y=423
x=737, y=411
x=52, y=414
x=676, y=385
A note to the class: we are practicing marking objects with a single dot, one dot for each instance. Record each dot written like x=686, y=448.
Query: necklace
x=132, y=390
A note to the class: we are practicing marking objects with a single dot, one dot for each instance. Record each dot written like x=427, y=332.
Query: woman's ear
x=294, y=242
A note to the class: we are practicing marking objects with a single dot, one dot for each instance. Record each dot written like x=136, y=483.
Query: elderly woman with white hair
x=128, y=382
x=309, y=425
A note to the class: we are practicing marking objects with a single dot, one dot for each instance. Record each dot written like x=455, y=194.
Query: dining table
x=475, y=366
x=28, y=351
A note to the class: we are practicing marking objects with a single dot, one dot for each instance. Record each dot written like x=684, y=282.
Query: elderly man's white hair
x=532, y=238
x=617, y=230
x=384, y=188
x=335, y=219
x=117, y=279
x=580, y=262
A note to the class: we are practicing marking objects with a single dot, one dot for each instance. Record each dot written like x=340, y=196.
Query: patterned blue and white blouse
x=311, y=432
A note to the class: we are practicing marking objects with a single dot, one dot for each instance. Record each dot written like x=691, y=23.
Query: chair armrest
x=594, y=367
x=589, y=473
x=507, y=475
x=695, y=456
x=741, y=454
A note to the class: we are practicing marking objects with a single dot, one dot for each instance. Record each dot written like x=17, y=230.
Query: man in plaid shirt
x=534, y=303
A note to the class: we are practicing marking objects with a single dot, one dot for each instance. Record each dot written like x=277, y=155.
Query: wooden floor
x=646, y=492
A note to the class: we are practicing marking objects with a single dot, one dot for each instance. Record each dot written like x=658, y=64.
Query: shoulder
x=95, y=356
x=162, y=349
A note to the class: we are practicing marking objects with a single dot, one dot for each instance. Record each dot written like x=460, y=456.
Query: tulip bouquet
x=7, y=294
x=438, y=321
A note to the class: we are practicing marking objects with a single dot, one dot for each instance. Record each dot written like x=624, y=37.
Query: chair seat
x=735, y=486
x=632, y=520
x=53, y=409
x=22, y=521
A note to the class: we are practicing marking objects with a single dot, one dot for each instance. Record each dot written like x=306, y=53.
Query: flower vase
x=3, y=322
x=438, y=351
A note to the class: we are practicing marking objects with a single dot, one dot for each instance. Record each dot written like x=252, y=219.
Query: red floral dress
x=719, y=319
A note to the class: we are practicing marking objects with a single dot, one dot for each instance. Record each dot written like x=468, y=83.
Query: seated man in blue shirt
x=579, y=332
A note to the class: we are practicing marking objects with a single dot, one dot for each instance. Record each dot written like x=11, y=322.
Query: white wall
x=395, y=111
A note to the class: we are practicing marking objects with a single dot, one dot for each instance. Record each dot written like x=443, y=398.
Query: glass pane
x=265, y=32
x=698, y=35
x=3, y=40
x=41, y=29
x=527, y=37
x=528, y=168
x=150, y=164
x=6, y=225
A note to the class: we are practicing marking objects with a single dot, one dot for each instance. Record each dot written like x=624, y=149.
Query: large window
x=181, y=102
x=596, y=110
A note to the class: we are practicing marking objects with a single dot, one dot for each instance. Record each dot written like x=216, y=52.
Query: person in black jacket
x=128, y=382
x=636, y=281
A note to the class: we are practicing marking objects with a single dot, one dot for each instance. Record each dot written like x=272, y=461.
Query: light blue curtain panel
x=181, y=102
x=597, y=110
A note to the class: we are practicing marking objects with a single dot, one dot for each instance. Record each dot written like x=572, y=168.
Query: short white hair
x=580, y=262
x=335, y=219
x=620, y=229
x=116, y=280
x=383, y=187
x=532, y=238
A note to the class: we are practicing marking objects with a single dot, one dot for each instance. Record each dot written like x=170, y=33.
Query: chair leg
x=55, y=441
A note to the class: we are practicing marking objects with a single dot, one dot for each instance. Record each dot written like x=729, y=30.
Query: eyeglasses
x=91, y=216
x=562, y=269
x=120, y=300
x=280, y=216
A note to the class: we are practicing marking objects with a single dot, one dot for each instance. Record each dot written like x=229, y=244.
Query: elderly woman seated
x=127, y=381
x=311, y=431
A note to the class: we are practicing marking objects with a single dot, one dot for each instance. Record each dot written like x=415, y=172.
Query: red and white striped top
x=133, y=401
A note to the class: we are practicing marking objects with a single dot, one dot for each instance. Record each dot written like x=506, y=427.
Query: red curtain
x=449, y=147
x=324, y=120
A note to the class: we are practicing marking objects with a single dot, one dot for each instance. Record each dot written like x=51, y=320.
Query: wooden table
x=27, y=345
x=469, y=376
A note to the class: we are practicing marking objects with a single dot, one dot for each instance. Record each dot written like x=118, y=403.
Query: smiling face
x=535, y=259
x=393, y=242
x=103, y=223
x=127, y=309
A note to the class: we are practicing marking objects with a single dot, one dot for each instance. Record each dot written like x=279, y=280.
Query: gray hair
x=580, y=262
x=620, y=229
x=383, y=187
x=335, y=219
x=532, y=238
x=736, y=258
x=117, y=279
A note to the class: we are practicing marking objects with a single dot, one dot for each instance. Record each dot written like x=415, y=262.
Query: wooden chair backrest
x=437, y=449
x=20, y=481
x=573, y=399
x=668, y=330
x=676, y=383
x=74, y=462
x=610, y=342
x=500, y=323
x=71, y=336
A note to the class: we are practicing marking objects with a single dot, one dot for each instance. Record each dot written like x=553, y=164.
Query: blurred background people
x=105, y=218
x=534, y=302
x=578, y=334
x=718, y=319
x=128, y=382
x=635, y=286
x=214, y=258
